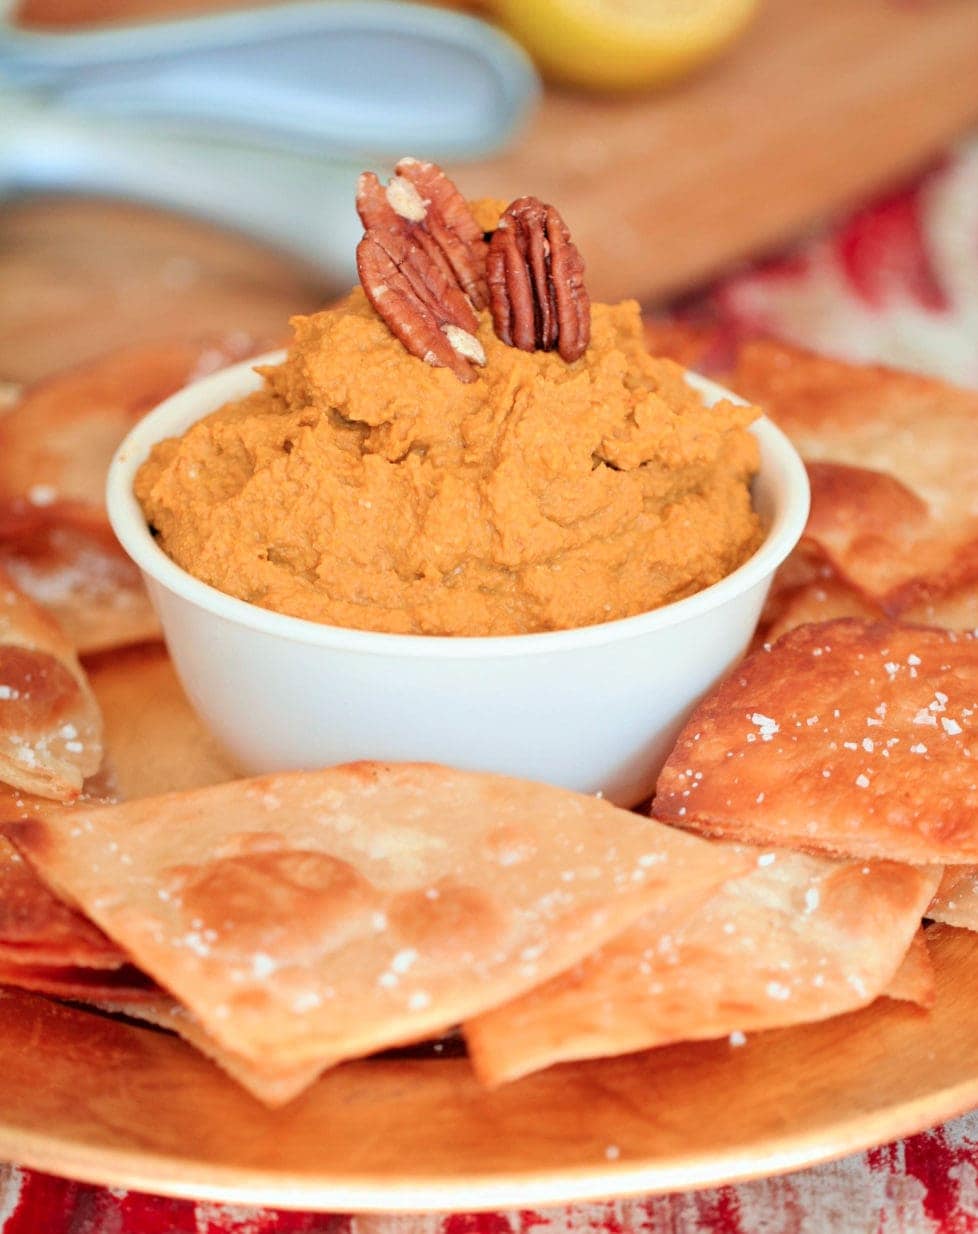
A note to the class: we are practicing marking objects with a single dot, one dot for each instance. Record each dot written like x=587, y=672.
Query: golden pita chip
x=850, y=737
x=156, y=741
x=915, y=981
x=314, y=917
x=56, y=443
x=826, y=596
x=694, y=345
x=824, y=599
x=87, y=582
x=804, y=566
x=955, y=901
x=78, y=984
x=913, y=430
x=37, y=928
x=956, y=609
x=273, y=1087
x=798, y=939
x=868, y=525
x=50, y=728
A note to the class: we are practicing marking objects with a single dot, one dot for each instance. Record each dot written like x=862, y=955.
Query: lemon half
x=623, y=44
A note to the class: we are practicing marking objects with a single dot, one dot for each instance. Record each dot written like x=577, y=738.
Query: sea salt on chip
x=800, y=938
x=154, y=741
x=50, y=727
x=912, y=431
x=849, y=737
x=313, y=917
x=86, y=581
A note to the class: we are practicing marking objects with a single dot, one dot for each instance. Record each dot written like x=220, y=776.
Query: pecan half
x=536, y=282
x=423, y=307
x=421, y=202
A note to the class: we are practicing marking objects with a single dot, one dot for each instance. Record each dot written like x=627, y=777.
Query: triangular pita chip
x=154, y=741
x=799, y=939
x=39, y=929
x=50, y=728
x=79, y=984
x=915, y=981
x=56, y=443
x=912, y=430
x=827, y=597
x=822, y=600
x=849, y=737
x=956, y=609
x=273, y=1087
x=314, y=917
x=86, y=581
x=867, y=524
x=956, y=900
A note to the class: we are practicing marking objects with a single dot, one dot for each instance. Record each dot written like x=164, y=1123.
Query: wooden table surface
x=820, y=103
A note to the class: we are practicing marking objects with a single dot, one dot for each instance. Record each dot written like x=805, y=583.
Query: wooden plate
x=106, y=1102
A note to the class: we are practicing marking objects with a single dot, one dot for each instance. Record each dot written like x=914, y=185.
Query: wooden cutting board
x=821, y=103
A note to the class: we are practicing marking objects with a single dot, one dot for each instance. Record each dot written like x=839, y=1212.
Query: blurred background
x=170, y=168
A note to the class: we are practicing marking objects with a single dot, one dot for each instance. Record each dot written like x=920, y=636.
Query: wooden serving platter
x=821, y=103
x=109, y=1102
x=106, y=1102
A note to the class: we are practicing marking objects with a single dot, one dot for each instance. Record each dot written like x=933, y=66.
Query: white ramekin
x=594, y=709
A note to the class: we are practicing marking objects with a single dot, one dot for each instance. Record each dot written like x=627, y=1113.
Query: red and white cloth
x=896, y=282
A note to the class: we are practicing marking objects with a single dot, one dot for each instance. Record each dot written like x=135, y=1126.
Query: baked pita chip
x=827, y=596
x=315, y=917
x=798, y=939
x=273, y=1087
x=956, y=900
x=695, y=345
x=56, y=443
x=37, y=928
x=956, y=609
x=79, y=984
x=850, y=737
x=86, y=581
x=912, y=430
x=869, y=526
x=915, y=980
x=156, y=741
x=824, y=599
x=50, y=728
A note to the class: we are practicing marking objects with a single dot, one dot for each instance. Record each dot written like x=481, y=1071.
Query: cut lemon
x=623, y=44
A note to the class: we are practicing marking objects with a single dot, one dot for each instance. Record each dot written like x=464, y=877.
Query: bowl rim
x=175, y=414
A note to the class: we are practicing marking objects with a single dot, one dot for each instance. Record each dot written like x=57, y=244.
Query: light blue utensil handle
x=367, y=79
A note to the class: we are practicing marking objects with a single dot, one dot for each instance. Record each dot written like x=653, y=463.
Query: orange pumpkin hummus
x=361, y=487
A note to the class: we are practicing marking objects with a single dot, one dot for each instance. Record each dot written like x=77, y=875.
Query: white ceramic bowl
x=594, y=709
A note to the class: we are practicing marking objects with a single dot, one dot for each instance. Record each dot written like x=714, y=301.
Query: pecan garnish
x=420, y=202
x=423, y=307
x=536, y=282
